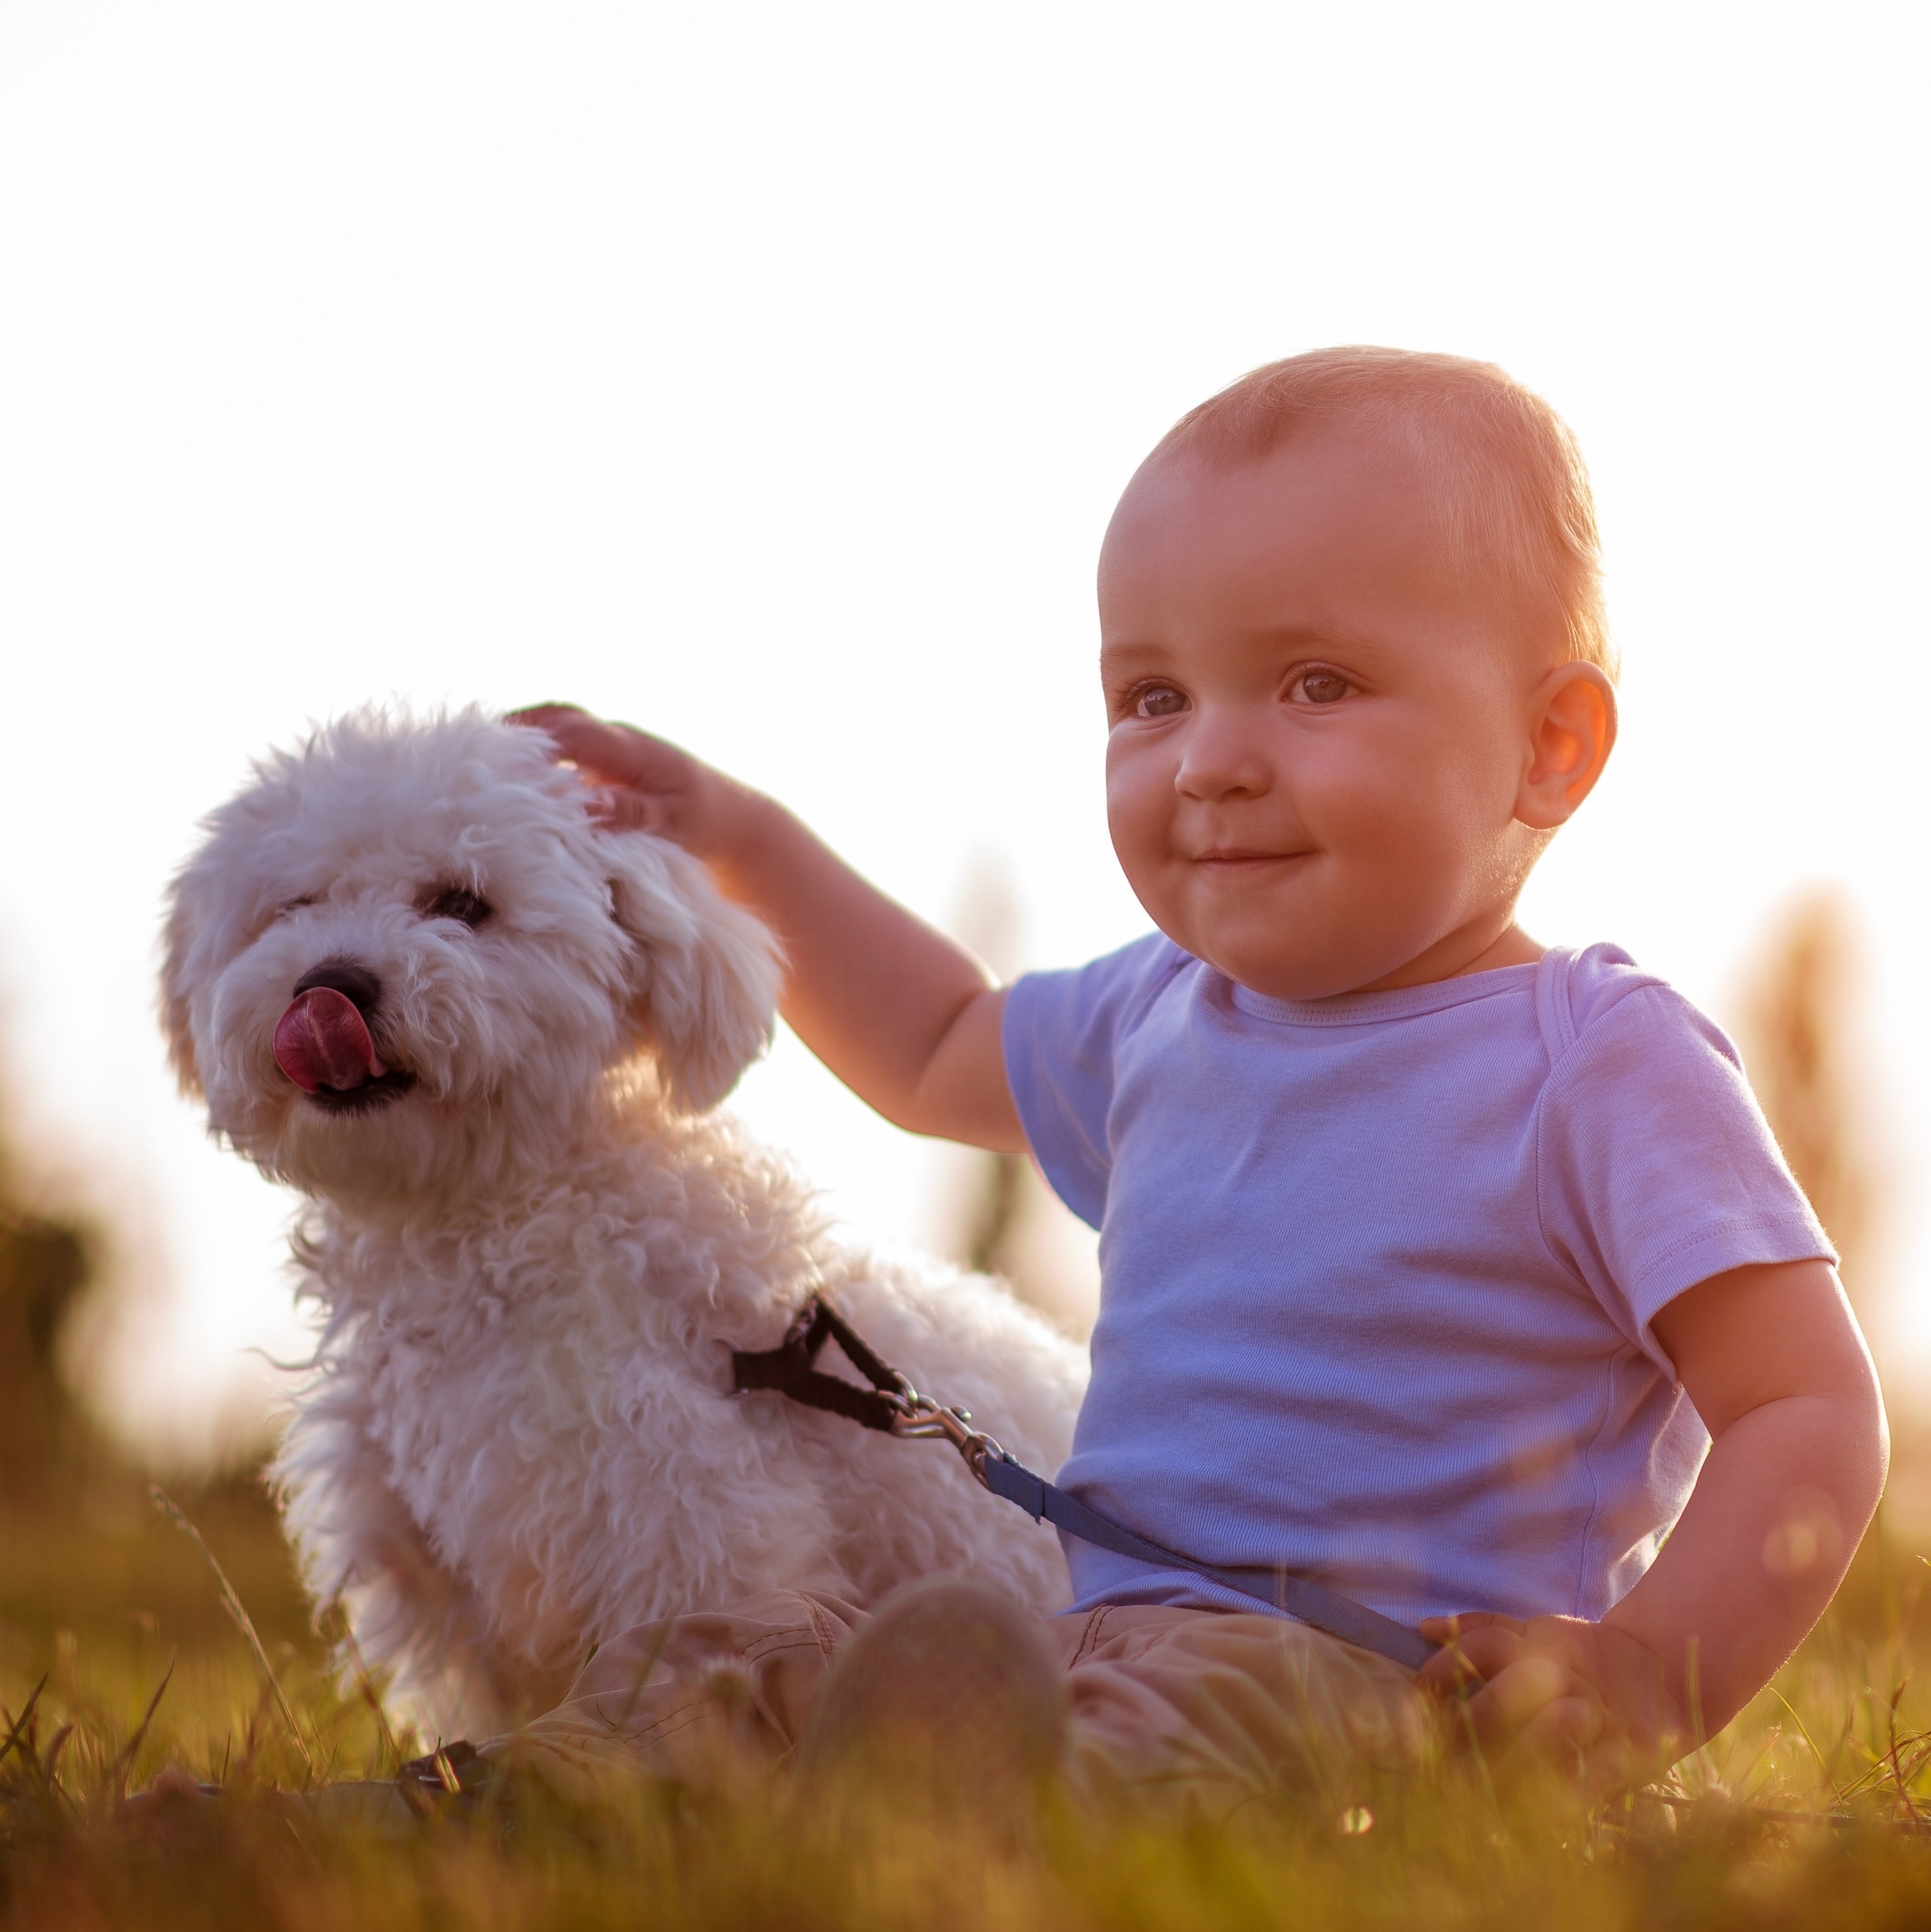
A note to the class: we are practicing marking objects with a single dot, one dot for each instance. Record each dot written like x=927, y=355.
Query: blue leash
x=1300, y=1596
x=894, y=1407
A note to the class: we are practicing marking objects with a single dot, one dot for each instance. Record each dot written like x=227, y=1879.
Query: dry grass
x=100, y=1596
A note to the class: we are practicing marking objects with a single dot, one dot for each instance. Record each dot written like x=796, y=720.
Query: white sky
x=766, y=375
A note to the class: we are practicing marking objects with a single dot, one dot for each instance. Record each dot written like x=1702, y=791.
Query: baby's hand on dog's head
x=639, y=783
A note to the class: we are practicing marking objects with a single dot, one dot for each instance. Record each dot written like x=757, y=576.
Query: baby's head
x=1355, y=666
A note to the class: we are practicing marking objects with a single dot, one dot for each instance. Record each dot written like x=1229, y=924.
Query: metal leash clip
x=920, y=1415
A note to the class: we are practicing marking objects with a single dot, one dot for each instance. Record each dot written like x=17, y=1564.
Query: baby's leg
x=1203, y=1709
x=715, y=1700
x=1195, y=1709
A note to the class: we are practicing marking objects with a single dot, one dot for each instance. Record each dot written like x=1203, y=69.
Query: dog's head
x=406, y=954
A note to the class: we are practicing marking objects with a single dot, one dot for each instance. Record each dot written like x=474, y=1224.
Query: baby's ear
x=705, y=972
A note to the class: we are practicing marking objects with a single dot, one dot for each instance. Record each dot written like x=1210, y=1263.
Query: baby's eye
x=1321, y=687
x=1157, y=700
x=456, y=902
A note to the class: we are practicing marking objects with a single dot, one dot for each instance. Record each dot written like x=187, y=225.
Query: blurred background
x=766, y=376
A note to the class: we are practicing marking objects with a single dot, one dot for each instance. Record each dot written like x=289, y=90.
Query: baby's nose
x=1220, y=766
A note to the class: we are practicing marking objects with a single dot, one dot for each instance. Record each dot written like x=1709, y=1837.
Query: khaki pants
x=1203, y=1708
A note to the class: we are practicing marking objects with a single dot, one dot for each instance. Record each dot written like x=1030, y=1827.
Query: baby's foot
x=953, y=1695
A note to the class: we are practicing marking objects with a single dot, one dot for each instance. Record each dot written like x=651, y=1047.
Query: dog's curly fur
x=533, y=1245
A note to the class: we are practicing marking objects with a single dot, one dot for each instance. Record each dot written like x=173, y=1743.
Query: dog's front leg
x=420, y=1630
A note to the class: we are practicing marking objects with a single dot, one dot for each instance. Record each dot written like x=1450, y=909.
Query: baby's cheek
x=1142, y=842
x=1140, y=803
x=1420, y=865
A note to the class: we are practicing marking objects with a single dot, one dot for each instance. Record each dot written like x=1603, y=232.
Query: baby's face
x=1317, y=734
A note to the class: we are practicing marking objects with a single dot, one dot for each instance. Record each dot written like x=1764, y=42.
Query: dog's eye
x=456, y=902
x=288, y=906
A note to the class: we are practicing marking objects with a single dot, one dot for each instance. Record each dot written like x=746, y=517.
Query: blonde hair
x=1515, y=493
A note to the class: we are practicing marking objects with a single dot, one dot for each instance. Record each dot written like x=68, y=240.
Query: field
x=1805, y=1812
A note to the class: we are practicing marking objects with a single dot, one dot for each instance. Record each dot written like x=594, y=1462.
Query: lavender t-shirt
x=1379, y=1271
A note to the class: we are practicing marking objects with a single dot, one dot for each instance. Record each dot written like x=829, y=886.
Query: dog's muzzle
x=322, y=1043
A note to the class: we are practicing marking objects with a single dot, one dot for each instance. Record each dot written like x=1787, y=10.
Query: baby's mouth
x=1235, y=859
x=322, y=1043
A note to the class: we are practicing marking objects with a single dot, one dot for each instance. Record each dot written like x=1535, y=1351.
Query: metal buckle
x=919, y=1415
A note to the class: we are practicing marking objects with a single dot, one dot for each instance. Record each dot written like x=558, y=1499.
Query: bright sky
x=766, y=376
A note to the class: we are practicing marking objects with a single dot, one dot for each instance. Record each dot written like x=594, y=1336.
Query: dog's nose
x=355, y=983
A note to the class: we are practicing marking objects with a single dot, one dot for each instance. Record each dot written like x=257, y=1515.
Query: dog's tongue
x=321, y=1041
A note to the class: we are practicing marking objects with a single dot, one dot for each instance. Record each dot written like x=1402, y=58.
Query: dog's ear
x=178, y=944
x=705, y=972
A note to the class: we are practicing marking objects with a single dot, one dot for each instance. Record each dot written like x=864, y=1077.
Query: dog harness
x=893, y=1407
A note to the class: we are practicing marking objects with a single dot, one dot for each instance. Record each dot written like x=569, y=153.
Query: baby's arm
x=906, y=1018
x=1773, y=1361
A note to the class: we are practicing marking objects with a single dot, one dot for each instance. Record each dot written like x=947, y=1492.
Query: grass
x=1811, y=1810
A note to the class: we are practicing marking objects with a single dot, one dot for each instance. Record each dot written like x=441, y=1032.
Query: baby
x=1433, y=1260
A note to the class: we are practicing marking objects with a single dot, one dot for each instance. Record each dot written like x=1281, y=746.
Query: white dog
x=412, y=975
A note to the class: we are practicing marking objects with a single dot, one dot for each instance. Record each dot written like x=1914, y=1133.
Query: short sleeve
x=1656, y=1168
x=1061, y=1034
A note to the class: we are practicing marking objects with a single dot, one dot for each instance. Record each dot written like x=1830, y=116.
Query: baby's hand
x=1586, y=1698
x=642, y=783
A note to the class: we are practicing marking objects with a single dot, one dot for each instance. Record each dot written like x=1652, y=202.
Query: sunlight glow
x=766, y=376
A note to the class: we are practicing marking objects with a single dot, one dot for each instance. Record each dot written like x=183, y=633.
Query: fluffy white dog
x=412, y=975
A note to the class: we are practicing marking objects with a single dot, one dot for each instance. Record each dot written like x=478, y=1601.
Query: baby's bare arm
x=908, y=1020
x=1773, y=1361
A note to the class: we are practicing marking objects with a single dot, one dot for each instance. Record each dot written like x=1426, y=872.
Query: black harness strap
x=792, y=1370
